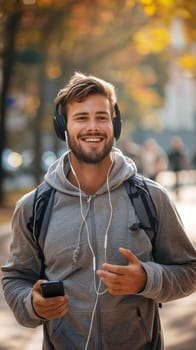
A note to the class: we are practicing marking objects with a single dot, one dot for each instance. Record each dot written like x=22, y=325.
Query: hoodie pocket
x=126, y=330
x=66, y=336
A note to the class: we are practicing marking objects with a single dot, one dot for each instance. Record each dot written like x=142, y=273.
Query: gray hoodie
x=76, y=232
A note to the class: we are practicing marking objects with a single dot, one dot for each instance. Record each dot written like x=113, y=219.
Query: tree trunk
x=38, y=146
x=10, y=32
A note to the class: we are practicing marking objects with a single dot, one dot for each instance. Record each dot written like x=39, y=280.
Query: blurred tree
x=10, y=29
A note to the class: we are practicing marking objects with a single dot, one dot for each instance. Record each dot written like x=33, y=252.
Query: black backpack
x=138, y=193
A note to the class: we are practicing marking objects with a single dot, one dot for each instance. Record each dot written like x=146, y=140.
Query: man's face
x=90, y=129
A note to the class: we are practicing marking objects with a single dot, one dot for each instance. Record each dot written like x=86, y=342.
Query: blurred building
x=178, y=115
x=180, y=103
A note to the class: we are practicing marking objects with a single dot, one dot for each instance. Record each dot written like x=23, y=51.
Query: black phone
x=52, y=289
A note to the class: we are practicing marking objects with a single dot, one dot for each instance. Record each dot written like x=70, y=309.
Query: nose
x=92, y=124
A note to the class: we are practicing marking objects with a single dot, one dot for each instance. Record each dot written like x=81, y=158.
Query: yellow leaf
x=146, y=2
x=184, y=13
x=150, y=10
x=167, y=3
x=187, y=62
x=146, y=96
x=154, y=39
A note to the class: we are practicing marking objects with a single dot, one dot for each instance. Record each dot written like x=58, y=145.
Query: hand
x=48, y=308
x=120, y=280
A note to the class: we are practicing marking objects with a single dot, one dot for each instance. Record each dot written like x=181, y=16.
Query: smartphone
x=52, y=289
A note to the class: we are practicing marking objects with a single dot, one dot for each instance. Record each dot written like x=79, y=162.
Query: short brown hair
x=81, y=86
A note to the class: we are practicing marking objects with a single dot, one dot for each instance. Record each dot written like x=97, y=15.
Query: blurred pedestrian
x=133, y=151
x=178, y=160
x=193, y=159
x=153, y=159
x=193, y=164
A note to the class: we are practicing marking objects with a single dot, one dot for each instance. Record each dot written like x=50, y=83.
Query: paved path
x=178, y=318
x=12, y=335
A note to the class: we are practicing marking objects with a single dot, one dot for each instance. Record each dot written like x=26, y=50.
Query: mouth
x=92, y=139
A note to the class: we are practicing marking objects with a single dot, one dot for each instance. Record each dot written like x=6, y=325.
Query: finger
x=55, y=313
x=115, y=290
x=51, y=309
x=37, y=285
x=54, y=301
x=129, y=255
x=107, y=277
x=113, y=269
x=56, y=305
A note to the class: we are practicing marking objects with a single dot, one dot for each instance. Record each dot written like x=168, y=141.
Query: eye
x=103, y=117
x=81, y=118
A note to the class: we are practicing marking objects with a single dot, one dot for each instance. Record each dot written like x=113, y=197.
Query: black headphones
x=60, y=122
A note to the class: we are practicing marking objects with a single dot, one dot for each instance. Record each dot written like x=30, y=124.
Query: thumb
x=37, y=285
x=129, y=255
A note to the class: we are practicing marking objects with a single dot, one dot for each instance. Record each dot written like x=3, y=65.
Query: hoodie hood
x=56, y=176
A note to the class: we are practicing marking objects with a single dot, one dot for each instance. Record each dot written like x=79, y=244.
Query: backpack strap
x=43, y=210
x=39, y=221
x=144, y=206
x=138, y=193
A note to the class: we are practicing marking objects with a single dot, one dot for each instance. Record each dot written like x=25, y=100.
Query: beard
x=93, y=156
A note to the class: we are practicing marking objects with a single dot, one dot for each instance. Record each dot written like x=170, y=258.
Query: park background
x=147, y=49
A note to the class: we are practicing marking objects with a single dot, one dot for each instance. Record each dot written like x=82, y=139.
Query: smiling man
x=90, y=139
x=91, y=129
x=114, y=275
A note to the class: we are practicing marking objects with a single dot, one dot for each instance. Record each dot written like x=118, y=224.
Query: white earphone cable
x=97, y=289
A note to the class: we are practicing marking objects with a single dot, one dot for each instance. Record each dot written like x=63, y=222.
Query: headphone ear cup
x=60, y=126
x=59, y=122
x=117, y=122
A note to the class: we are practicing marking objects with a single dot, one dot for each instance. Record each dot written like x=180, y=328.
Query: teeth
x=93, y=140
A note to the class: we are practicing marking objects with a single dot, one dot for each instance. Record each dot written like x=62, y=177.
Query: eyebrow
x=86, y=113
x=79, y=113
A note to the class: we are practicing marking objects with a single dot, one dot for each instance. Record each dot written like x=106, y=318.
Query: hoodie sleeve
x=172, y=274
x=23, y=266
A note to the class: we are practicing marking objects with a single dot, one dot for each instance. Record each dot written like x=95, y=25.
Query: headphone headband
x=60, y=122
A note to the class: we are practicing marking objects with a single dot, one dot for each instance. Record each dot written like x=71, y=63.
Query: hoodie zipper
x=97, y=313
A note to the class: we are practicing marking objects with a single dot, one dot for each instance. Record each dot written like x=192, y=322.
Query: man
x=113, y=283
x=178, y=161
